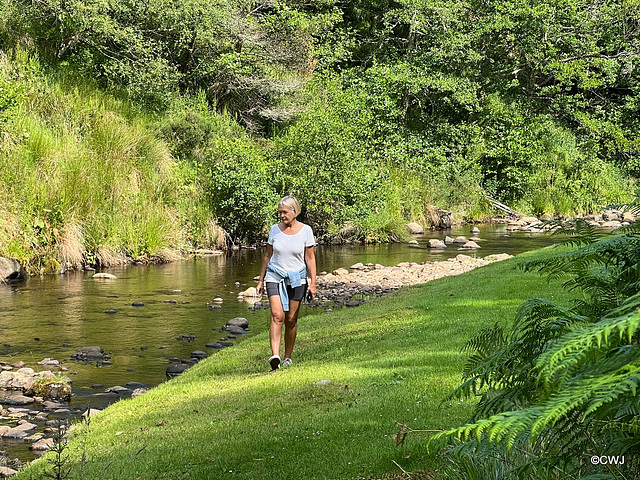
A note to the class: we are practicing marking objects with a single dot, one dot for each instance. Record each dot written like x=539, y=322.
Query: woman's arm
x=310, y=259
x=265, y=261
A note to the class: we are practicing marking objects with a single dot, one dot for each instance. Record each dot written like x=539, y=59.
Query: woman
x=284, y=277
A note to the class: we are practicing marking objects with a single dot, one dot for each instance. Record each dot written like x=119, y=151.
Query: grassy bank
x=388, y=361
x=85, y=178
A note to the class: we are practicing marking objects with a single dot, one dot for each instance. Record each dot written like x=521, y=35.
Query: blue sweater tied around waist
x=295, y=280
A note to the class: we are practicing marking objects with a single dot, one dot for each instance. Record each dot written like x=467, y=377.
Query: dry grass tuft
x=108, y=257
x=166, y=255
x=71, y=246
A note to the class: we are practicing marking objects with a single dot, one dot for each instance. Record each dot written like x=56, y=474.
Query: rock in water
x=11, y=271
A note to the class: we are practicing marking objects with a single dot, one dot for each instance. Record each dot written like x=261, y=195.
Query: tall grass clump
x=84, y=177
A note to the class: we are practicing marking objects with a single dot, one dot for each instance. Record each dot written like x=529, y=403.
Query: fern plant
x=561, y=384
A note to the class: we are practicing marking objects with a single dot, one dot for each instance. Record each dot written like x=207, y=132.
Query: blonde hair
x=290, y=202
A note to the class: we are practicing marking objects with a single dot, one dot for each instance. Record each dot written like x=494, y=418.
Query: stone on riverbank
x=342, y=288
x=470, y=245
x=11, y=271
x=249, y=292
x=415, y=228
x=238, y=322
x=176, y=369
x=42, y=445
x=6, y=472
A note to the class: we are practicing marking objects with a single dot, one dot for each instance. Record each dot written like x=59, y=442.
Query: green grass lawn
x=389, y=361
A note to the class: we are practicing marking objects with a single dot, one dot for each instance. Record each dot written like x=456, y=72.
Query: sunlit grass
x=86, y=175
x=388, y=362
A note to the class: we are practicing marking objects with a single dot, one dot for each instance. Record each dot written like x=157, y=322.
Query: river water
x=54, y=315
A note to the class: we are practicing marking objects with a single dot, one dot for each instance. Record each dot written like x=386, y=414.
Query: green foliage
x=564, y=380
x=325, y=160
x=241, y=187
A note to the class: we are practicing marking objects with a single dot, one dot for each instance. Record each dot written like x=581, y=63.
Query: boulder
x=341, y=272
x=249, y=292
x=470, y=245
x=139, y=391
x=238, y=322
x=11, y=271
x=460, y=239
x=20, y=431
x=435, y=243
x=448, y=240
x=6, y=472
x=475, y=230
x=360, y=265
x=415, y=228
x=176, y=369
x=234, y=330
x=89, y=354
x=17, y=400
x=199, y=354
x=529, y=220
x=42, y=445
x=50, y=362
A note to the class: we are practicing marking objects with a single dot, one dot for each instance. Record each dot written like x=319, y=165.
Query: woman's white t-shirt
x=288, y=250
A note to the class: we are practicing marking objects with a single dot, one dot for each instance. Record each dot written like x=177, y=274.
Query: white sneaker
x=274, y=361
x=287, y=362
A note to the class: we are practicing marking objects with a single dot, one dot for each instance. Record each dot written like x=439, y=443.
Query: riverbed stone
x=6, y=472
x=475, y=230
x=435, y=243
x=104, y=276
x=42, y=445
x=11, y=271
x=18, y=364
x=139, y=391
x=340, y=272
x=461, y=239
x=239, y=322
x=89, y=353
x=16, y=399
x=415, y=228
x=120, y=390
x=199, y=354
x=249, y=292
x=20, y=431
x=50, y=362
x=176, y=369
x=611, y=224
x=470, y=245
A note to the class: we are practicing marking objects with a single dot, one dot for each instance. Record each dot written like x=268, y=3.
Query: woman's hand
x=260, y=289
x=313, y=290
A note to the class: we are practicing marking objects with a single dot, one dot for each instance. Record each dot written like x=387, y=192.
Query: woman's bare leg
x=291, y=327
x=277, y=320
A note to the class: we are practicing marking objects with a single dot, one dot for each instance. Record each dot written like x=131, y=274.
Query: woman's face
x=286, y=214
